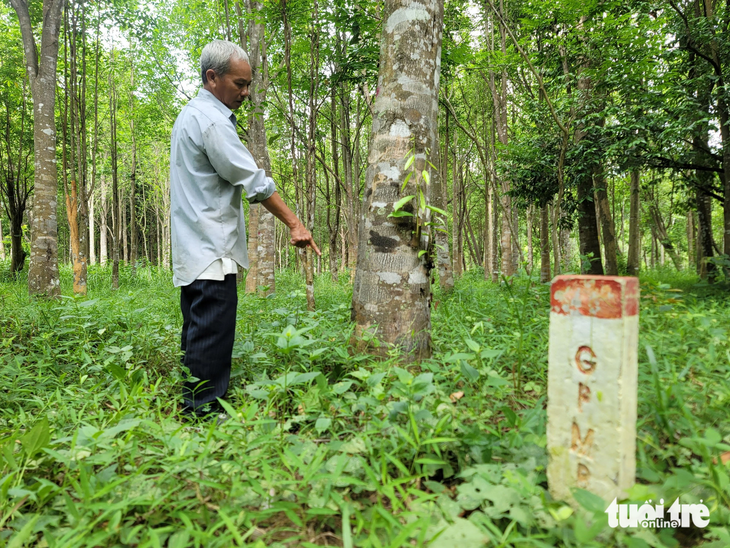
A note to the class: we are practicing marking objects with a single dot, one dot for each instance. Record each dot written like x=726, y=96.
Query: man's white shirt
x=209, y=171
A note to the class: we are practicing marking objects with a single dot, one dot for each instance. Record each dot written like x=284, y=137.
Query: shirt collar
x=207, y=96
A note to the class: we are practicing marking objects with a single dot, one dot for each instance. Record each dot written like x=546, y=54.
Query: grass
x=325, y=448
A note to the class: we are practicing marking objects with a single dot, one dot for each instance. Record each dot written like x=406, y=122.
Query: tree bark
x=116, y=217
x=43, y=277
x=606, y=221
x=262, y=228
x=634, y=260
x=311, y=174
x=544, y=243
x=392, y=290
x=663, y=236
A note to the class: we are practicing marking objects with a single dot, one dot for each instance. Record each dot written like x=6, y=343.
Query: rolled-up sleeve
x=234, y=163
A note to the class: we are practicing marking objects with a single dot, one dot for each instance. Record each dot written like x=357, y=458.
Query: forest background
x=573, y=137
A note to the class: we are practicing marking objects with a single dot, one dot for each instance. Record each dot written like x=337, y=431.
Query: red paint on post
x=608, y=297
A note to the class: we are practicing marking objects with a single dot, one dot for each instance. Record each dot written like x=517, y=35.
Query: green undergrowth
x=326, y=448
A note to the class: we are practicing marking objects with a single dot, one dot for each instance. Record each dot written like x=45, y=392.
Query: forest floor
x=328, y=449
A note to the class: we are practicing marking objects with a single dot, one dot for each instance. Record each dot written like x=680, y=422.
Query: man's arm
x=300, y=236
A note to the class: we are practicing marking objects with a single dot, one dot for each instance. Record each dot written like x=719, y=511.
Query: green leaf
x=426, y=176
x=462, y=533
x=409, y=161
x=421, y=253
x=400, y=214
x=469, y=372
x=422, y=198
x=589, y=501
x=403, y=201
x=437, y=210
x=473, y=346
x=405, y=181
x=322, y=425
x=429, y=461
x=37, y=438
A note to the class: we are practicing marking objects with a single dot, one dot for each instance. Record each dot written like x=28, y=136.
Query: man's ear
x=210, y=75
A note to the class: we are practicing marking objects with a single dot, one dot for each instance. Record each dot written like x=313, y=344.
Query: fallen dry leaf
x=456, y=396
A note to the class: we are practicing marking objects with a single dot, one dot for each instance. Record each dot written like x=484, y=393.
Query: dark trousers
x=209, y=322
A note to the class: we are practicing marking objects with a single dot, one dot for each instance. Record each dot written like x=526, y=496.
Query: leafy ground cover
x=325, y=448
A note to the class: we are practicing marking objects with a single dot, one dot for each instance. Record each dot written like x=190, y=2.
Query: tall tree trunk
x=499, y=96
x=704, y=217
x=103, y=224
x=663, y=236
x=43, y=278
x=116, y=217
x=606, y=221
x=494, y=223
x=691, y=243
x=334, y=230
x=590, y=247
x=544, y=243
x=392, y=289
x=347, y=170
x=441, y=235
x=2, y=244
x=530, y=221
x=311, y=174
x=456, y=237
x=633, y=261
x=17, y=253
x=262, y=228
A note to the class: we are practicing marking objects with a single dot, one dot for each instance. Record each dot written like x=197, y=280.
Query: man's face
x=231, y=89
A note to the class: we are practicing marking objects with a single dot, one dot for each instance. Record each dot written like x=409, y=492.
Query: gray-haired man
x=210, y=170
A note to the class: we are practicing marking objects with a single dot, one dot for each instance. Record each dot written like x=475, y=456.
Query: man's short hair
x=217, y=56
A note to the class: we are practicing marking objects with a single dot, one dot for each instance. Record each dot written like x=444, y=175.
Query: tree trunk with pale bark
x=391, y=295
x=43, y=277
x=261, y=225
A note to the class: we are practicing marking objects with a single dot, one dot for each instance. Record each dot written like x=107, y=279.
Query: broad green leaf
x=437, y=210
x=589, y=501
x=426, y=176
x=400, y=214
x=37, y=438
x=403, y=201
x=469, y=372
x=322, y=424
x=409, y=161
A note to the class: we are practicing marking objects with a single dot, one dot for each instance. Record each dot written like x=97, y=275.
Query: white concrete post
x=592, y=377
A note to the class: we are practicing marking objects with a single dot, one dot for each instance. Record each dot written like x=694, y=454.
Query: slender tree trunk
x=116, y=217
x=704, y=217
x=392, y=289
x=334, y=231
x=441, y=235
x=633, y=260
x=17, y=254
x=530, y=221
x=311, y=175
x=606, y=221
x=262, y=227
x=544, y=244
x=691, y=243
x=43, y=278
x=103, y=224
x=2, y=245
x=494, y=223
x=501, y=123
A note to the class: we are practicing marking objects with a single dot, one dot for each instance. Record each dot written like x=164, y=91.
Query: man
x=210, y=171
